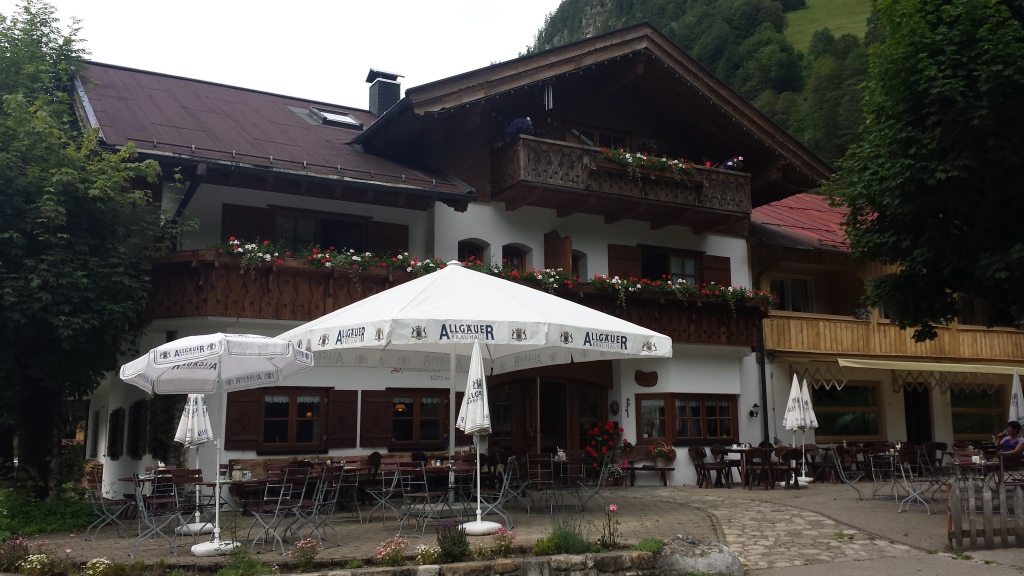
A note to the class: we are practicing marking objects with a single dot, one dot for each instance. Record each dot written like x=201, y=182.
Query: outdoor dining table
x=742, y=452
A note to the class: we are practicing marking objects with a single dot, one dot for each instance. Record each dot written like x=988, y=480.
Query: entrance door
x=553, y=416
x=917, y=407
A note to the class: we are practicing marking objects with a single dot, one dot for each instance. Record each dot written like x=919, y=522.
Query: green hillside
x=839, y=16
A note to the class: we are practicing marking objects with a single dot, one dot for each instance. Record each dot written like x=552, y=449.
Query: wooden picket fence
x=979, y=516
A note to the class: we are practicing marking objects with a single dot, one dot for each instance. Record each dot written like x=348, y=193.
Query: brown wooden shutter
x=342, y=411
x=247, y=223
x=461, y=438
x=137, y=423
x=624, y=261
x=115, y=434
x=557, y=251
x=386, y=238
x=244, y=427
x=717, y=270
x=376, y=409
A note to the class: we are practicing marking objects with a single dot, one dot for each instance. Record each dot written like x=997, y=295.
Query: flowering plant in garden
x=627, y=446
x=305, y=552
x=635, y=163
x=610, y=528
x=613, y=470
x=98, y=567
x=391, y=552
x=428, y=554
x=604, y=438
x=253, y=254
x=661, y=450
x=504, y=541
x=13, y=552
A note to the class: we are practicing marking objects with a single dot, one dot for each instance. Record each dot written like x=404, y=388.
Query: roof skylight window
x=329, y=117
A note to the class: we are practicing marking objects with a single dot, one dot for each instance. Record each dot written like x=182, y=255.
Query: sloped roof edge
x=498, y=78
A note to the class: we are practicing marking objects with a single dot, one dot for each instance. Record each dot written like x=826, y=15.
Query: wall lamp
x=755, y=410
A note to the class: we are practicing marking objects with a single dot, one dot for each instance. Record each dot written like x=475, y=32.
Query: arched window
x=469, y=250
x=514, y=257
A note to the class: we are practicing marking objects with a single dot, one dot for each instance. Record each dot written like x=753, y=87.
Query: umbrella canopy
x=422, y=322
x=201, y=364
x=1016, y=399
x=794, y=418
x=197, y=365
x=475, y=412
x=194, y=426
x=431, y=321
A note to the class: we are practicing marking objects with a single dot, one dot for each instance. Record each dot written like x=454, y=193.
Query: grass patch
x=652, y=545
x=839, y=16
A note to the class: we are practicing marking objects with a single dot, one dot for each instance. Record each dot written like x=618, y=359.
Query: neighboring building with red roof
x=871, y=382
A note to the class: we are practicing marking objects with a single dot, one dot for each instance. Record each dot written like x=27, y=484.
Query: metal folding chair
x=279, y=500
x=108, y=510
x=387, y=485
x=158, y=515
x=492, y=500
x=418, y=500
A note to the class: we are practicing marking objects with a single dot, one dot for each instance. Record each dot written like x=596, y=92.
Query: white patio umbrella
x=475, y=419
x=433, y=322
x=193, y=431
x=210, y=363
x=1016, y=399
x=810, y=423
x=794, y=417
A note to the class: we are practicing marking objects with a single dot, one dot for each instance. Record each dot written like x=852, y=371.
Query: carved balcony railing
x=202, y=283
x=571, y=178
x=831, y=336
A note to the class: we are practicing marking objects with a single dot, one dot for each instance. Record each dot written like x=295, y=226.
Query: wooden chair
x=787, y=467
x=759, y=468
x=721, y=455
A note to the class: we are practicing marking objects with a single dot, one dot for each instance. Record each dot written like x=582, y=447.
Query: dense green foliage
x=933, y=187
x=242, y=563
x=68, y=510
x=566, y=537
x=652, y=545
x=814, y=95
x=76, y=234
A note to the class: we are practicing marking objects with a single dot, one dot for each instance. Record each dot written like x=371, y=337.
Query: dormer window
x=336, y=118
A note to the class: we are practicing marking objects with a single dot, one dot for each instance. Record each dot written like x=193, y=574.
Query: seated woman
x=1010, y=440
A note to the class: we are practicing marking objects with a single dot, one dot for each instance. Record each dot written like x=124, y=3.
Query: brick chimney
x=385, y=90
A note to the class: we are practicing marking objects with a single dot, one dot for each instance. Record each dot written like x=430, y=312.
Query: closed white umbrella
x=209, y=363
x=475, y=418
x=194, y=430
x=794, y=417
x=1016, y=399
x=810, y=423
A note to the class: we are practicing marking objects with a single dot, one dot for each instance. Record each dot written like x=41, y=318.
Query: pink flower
x=612, y=508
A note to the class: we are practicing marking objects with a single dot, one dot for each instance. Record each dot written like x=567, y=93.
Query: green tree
x=77, y=232
x=933, y=187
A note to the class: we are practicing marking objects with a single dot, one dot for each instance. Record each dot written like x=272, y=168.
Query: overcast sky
x=316, y=49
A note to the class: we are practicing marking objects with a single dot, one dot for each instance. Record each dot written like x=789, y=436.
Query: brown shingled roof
x=801, y=221
x=204, y=121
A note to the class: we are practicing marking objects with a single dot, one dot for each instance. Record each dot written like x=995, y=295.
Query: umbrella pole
x=451, y=405
x=476, y=439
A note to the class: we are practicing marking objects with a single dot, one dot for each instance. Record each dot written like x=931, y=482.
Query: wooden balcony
x=832, y=336
x=200, y=283
x=570, y=179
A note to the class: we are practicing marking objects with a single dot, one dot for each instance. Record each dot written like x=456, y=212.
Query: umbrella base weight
x=215, y=548
x=481, y=528
x=195, y=528
x=805, y=480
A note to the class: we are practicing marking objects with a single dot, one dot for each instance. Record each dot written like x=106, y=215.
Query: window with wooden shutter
x=557, y=251
x=244, y=425
x=386, y=237
x=375, y=428
x=246, y=222
x=115, y=434
x=138, y=421
x=342, y=412
x=624, y=261
x=717, y=270
x=94, y=434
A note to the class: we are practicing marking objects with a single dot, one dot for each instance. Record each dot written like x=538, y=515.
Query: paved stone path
x=772, y=535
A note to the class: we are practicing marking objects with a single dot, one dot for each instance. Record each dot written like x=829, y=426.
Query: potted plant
x=615, y=474
x=662, y=454
x=604, y=438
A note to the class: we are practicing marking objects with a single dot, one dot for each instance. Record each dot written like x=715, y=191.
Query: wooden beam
x=621, y=215
x=716, y=222
x=669, y=218
x=514, y=202
x=576, y=205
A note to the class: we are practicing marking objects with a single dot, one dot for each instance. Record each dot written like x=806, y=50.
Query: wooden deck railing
x=819, y=334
